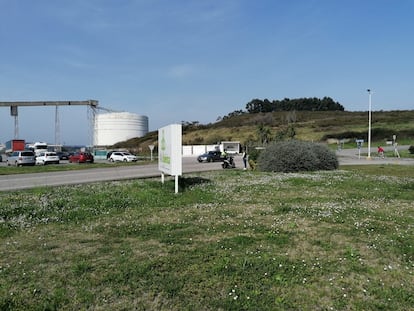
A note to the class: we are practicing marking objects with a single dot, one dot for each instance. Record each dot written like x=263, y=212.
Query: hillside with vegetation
x=328, y=124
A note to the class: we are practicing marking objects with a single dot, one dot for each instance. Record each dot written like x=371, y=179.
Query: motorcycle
x=228, y=162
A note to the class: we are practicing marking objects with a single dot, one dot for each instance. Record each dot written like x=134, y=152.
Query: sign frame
x=170, y=151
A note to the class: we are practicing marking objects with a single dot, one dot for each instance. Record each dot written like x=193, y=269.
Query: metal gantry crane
x=92, y=106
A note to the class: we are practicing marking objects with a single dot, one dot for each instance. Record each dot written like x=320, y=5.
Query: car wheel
x=125, y=160
x=111, y=159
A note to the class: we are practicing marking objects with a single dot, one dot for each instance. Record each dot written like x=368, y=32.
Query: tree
x=254, y=106
x=304, y=104
x=286, y=133
x=263, y=133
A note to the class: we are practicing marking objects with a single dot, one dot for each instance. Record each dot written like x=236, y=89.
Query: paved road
x=352, y=157
x=190, y=164
x=19, y=181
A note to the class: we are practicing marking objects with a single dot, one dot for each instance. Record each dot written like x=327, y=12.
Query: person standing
x=245, y=157
x=396, y=153
x=224, y=154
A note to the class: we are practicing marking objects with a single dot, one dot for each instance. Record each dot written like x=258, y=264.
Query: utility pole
x=57, y=128
x=369, y=124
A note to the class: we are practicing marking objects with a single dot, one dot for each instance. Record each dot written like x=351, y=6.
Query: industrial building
x=113, y=127
x=106, y=127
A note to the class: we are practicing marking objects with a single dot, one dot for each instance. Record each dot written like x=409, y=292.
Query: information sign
x=169, y=151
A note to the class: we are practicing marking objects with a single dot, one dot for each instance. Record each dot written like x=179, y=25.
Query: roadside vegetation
x=229, y=240
x=258, y=129
x=297, y=156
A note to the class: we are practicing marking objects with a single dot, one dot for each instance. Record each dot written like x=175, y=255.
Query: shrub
x=296, y=156
x=411, y=149
x=254, y=153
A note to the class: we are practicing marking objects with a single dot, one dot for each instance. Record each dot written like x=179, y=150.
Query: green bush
x=411, y=149
x=296, y=156
x=254, y=153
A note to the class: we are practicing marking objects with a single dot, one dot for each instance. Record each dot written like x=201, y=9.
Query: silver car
x=20, y=158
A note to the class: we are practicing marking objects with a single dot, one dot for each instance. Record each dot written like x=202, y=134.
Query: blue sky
x=196, y=60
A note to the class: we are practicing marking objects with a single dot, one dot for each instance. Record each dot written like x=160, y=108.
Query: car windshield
x=27, y=154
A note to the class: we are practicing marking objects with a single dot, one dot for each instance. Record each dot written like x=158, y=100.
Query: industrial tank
x=114, y=127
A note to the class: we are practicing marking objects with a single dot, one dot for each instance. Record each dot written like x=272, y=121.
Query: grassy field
x=230, y=240
x=310, y=126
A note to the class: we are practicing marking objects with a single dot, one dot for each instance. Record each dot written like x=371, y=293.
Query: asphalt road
x=20, y=181
x=190, y=164
x=354, y=157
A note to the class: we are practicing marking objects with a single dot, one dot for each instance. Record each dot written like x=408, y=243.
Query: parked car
x=117, y=156
x=20, y=158
x=81, y=157
x=47, y=158
x=63, y=155
x=210, y=156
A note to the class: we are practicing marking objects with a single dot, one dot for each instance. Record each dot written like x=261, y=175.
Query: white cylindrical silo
x=114, y=127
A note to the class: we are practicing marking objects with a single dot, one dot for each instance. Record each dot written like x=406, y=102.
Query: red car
x=81, y=157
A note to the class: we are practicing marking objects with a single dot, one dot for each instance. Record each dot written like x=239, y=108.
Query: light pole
x=369, y=124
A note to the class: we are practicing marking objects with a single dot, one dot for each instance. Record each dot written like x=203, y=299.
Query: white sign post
x=151, y=147
x=169, y=151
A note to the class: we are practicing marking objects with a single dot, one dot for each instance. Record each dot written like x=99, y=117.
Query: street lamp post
x=369, y=124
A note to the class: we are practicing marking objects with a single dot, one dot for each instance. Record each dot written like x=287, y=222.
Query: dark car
x=81, y=157
x=63, y=155
x=210, y=156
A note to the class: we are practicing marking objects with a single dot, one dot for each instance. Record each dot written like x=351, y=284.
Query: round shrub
x=297, y=156
x=411, y=149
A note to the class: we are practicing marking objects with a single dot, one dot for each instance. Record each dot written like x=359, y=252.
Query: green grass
x=233, y=240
